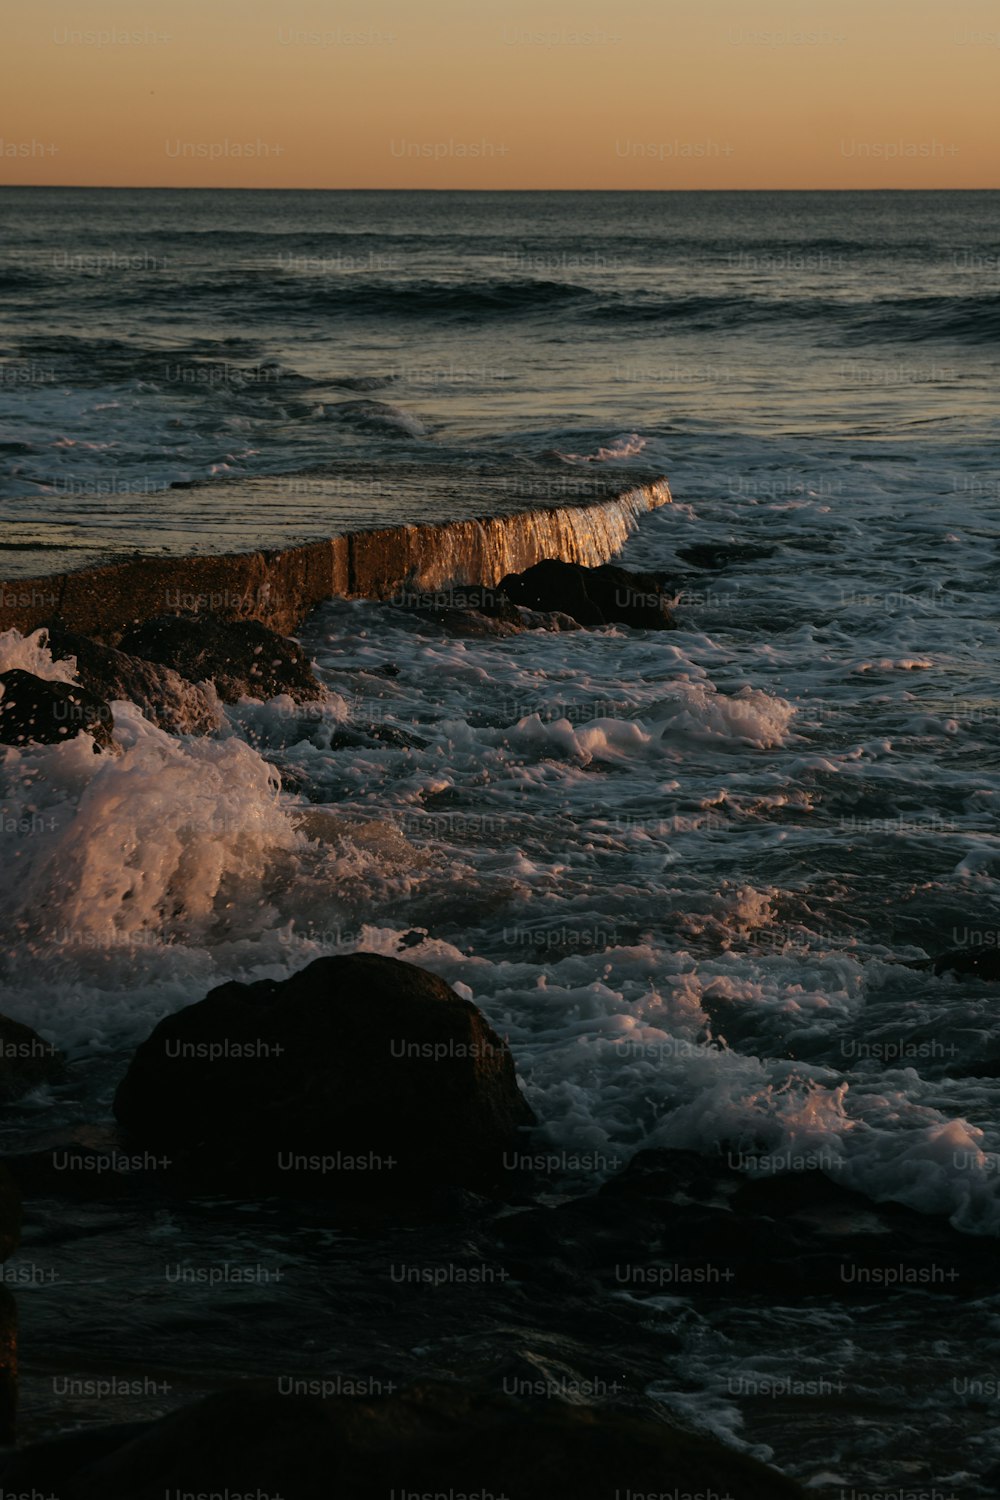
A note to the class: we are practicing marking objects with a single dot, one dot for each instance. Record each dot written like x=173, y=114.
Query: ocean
x=685, y=875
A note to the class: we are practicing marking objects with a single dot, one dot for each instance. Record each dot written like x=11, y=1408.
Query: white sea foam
x=629, y=445
x=31, y=654
x=621, y=846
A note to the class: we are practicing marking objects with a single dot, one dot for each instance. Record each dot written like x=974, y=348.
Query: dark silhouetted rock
x=352, y=736
x=440, y=1439
x=10, y=1235
x=794, y=1233
x=628, y=597
x=26, y=1061
x=10, y=1214
x=979, y=1067
x=470, y=610
x=34, y=710
x=592, y=596
x=8, y=1366
x=360, y=1073
x=241, y=657
x=554, y=585
x=980, y=962
x=163, y=695
x=718, y=555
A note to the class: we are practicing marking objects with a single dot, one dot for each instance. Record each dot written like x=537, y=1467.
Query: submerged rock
x=26, y=1061
x=359, y=1074
x=471, y=622
x=430, y=1439
x=592, y=596
x=35, y=710
x=718, y=555
x=162, y=694
x=981, y=961
x=350, y=737
x=241, y=657
x=469, y=610
x=675, y=1222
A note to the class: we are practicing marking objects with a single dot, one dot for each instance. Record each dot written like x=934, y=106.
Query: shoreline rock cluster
x=358, y=1059
x=364, y=1085
x=429, y=1439
x=177, y=668
x=354, y=1060
x=551, y=595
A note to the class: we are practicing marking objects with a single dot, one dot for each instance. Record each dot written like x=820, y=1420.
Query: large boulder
x=592, y=596
x=163, y=695
x=360, y=1073
x=35, y=711
x=241, y=657
x=432, y=1439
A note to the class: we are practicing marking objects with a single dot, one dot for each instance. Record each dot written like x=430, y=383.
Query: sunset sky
x=472, y=94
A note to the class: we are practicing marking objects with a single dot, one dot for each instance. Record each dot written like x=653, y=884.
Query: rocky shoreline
x=176, y=667
x=307, y=1090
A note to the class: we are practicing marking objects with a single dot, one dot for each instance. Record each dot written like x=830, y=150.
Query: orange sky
x=472, y=94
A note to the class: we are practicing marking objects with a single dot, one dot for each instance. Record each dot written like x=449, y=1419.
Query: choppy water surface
x=678, y=871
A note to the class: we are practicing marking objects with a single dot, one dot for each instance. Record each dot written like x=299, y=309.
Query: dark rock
x=385, y=734
x=163, y=695
x=592, y=596
x=979, y=1067
x=430, y=1439
x=34, y=710
x=631, y=598
x=695, y=1226
x=8, y=1366
x=469, y=622
x=69, y=1457
x=26, y=1061
x=360, y=1073
x=470, y=610
x=980, y=962
x=10, y=1235
x=10, y=1214
x=91, y=1163
x=484, y=601
x=241, y=657
x=717, y=555
x=795, y=1232
x=554, y=585
x=552, y=619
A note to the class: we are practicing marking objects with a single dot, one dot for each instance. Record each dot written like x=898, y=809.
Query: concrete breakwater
x=588, y=523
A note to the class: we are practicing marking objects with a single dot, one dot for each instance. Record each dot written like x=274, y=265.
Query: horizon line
x=191, y=187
